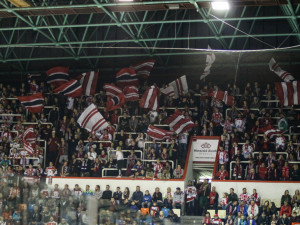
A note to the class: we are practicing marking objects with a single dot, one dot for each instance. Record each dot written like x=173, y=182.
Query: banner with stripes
x=28, y=148
x=210, y=59
x=34, y=103
x=284, y=75
x=180, y=86
x=150, y=99
x=158, y=134
x=223, y=96
x=178, y=123
x=115, y=102
x=168, y=90
x=71, y=89
x=126, y=77
x=131, y=93
x=143, y=69
x=92, y=120
x=288, y=93
x=111, y=90
x=89, y=81
x=57, y=75
x=28, y=135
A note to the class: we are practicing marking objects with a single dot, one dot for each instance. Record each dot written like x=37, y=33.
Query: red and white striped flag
x=286, y=76
x=178, y=123
x=223, y=96
x=34, y=103
x=180, y=86
x=89, y=81
x=158, y=134
x=288, y=93
x=270, y=131
x=143, y=69
x=131, y=93
x=112, y=90
x=150, y=98
x=168, y=90
x=126, y=77
x=28, y=148
x=57, y=75
x=210, y=59
x=71, y=89
x=29, y=135
x=92, y=120
x=115, y=102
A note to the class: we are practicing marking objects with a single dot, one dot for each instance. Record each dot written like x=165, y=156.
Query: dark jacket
x=137, y=196
x=117, y=196
x=107, y=194
x=232, y=197
x=263, y=220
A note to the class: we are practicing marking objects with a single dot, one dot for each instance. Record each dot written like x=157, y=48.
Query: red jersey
x=285, y=172
x=222, y=175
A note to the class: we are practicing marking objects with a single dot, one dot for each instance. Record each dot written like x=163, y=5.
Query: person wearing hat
x=216, y=220
x=178, y=200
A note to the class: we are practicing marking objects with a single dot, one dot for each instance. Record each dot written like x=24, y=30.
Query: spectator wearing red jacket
x=285, y=209
x=262, y=172
x=285, y=171
x=214, y=199
x=222, y=174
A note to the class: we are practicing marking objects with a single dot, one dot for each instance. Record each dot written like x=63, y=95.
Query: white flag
x=286, y=76
x=210, y=58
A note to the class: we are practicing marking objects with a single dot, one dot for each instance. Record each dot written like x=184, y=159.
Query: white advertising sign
x=205, y=150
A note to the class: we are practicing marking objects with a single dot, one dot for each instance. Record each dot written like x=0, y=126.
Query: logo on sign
x=205, y=145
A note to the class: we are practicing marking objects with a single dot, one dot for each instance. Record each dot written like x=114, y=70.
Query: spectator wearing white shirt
x=120, y=160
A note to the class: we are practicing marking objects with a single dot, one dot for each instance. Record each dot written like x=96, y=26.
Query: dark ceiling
x=108, y=35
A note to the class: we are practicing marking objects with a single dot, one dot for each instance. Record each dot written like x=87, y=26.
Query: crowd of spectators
x=124, y=149
x=240, y=209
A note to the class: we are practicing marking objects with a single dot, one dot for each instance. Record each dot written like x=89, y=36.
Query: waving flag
x=210, y=59
x=223, y=96
x=92, y=120
x=158, y=134
x=178, y=123
x=71, y=89
x=131, y=93
x=29, y=135
x=57, y=75
x=34, y=103
x=143, y=69
x=126, y=77
x=286, y=76
x=180, y=86
x=89, y=82
x=168, y=90
x=149, y=99
x=115, y=102
x=288, y=93
x=270, y=131
x=112, y=90
x=28, y=148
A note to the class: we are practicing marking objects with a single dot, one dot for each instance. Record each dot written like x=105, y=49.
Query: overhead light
x=173, y=6
x=220, y=5
x=20, y=3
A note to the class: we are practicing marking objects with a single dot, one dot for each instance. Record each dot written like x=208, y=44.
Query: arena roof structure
x=111, y=34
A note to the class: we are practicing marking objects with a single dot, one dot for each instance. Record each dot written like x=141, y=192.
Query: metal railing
x=135, y=151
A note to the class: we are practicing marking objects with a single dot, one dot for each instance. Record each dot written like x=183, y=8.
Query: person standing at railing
x=190, y=195
x=53, y=144
x=120, y=161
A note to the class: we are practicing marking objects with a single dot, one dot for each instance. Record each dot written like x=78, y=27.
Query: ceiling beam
x=149, y=22
x=93, y=42
x=127, y=56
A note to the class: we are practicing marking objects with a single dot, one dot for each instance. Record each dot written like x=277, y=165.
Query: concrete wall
x=267, y=190
x=119, y=182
